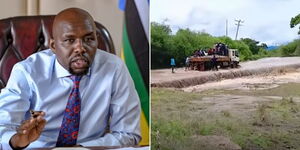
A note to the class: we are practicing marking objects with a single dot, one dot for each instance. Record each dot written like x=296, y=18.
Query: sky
x=266, y=21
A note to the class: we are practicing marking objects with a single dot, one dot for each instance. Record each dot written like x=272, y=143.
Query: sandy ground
x=245, y=103
x=165, y=75
x=240, y=105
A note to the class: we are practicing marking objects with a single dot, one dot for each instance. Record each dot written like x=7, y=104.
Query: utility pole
x=238, y=26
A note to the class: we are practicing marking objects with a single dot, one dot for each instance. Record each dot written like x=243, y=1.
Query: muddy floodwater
x=257, y=82
x=185, y=78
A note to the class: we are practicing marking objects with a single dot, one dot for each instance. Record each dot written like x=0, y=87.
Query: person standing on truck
x=173, y=64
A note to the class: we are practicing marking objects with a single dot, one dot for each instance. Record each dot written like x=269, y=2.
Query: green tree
x=160, y=35
x=228, y=41
x=184, y=43
x=253, y=45
x=205, y=41
x=160, y=45
x=297, y=50
x=245, y=53
x=295, y=21
x=263, y=46
x=289, y=49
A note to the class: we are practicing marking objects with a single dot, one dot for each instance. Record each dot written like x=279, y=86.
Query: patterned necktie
x=70, y=125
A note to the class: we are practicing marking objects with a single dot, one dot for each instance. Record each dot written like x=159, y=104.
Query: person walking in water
x=214, y=63
x=173, y=64
x=187, y=63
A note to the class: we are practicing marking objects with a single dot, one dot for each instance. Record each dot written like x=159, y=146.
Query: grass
x=284, y=90
x=179, y=119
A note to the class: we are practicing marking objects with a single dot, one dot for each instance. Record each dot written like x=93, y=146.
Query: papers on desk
x=69, y=148
x=133, y=148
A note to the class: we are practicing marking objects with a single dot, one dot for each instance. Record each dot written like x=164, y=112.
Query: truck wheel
x=235, y=64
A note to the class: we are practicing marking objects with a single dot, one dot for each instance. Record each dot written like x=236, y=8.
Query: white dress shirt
x=107, y=93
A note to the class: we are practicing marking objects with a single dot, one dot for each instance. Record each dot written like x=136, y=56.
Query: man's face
x=75, y=44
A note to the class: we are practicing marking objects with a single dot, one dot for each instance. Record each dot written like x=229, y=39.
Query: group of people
x=199, y=53
x=173, y=64
x=218, y=49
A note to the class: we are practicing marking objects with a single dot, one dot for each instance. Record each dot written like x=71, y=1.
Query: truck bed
x=208, y=58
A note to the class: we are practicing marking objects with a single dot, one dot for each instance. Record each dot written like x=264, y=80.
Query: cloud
x=266, y=21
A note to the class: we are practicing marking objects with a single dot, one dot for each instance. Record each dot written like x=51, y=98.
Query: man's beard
x=84, y=72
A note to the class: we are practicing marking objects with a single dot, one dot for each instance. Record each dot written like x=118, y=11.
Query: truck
x=203, y=63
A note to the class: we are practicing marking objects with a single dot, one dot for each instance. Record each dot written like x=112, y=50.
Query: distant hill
x=272, y=47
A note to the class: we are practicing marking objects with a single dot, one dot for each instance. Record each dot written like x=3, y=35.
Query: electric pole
x=239, y=23
x=226, y=27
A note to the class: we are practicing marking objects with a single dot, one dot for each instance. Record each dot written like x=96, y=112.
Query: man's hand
x=29, y=131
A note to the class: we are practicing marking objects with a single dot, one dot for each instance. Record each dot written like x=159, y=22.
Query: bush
x=289, y=49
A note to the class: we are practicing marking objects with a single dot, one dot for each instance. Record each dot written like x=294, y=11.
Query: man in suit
x=70, y=94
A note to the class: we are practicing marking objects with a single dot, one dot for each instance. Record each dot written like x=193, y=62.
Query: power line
x=239, y=23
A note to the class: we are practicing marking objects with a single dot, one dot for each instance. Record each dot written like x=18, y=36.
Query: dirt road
x=182, y=78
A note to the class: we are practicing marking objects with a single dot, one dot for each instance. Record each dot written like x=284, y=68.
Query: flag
x=122, y=4
x=135, y=53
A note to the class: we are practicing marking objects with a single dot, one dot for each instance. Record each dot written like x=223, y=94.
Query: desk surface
x=79, y=148
x=94, y=148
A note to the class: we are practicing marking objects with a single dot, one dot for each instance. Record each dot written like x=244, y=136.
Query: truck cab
x=233, y=54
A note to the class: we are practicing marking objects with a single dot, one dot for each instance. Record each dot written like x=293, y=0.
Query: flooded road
x=182, y=78
x=257, y=82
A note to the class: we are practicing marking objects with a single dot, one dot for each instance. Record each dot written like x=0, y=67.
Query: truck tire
x=235, y=64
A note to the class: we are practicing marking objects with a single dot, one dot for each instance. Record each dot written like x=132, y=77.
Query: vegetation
x=165, y=44
x=295, y=21
x=179, y=118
